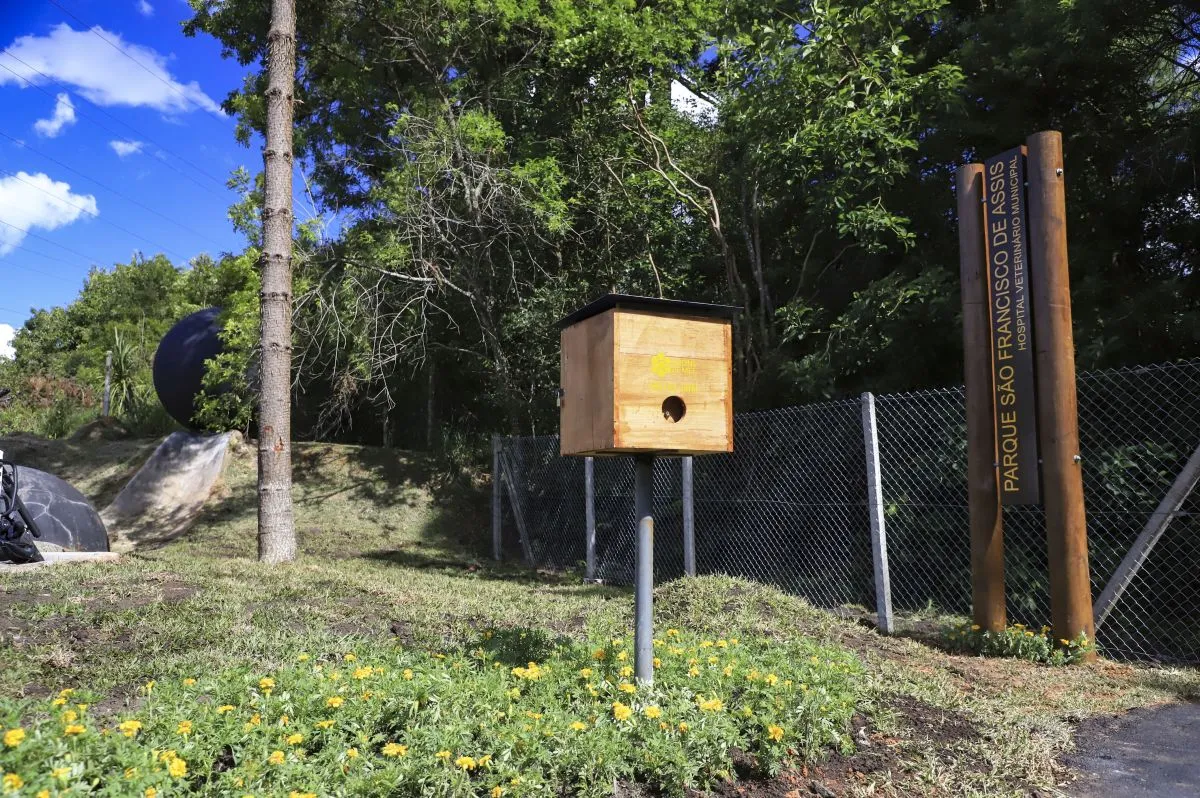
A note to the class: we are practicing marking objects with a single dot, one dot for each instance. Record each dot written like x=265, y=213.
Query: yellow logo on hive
x=660, y=365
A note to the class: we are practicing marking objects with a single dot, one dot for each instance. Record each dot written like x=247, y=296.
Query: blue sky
x=119, y=145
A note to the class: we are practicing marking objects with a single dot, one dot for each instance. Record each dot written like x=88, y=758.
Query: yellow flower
x=578, y=726
x=620, y=711
x=363, y=673
x=728, y=670
x=302, y=658
x=60, y=773
x=221, y=710
x=465, y=762
x=266, y=683
x=184, y=728
x=177, y=768
x=443, y=755
x=188, y=682
x=618, y=641
x=683, y=727
x=43, y=794
x=397, y=750
x=733, y=641
x=12, y=782
x=626, y=687
x=334, y=701
x=298, y=794
x=1065, y=642
x=73, y=730
x=295, y=739
x=672, y=633
x=771, y=679
x=657, y=662
x=747, y=712
x=14, y=737
x=706, y=644
x=975, y=627
x=775, y=733
x=722, y=644
x=622, y=655
x=586, y=672
x=693, y=671
x=626, y=671
x=58, y=702
x=712, y=705
x=276, y=758
x=352, y=753
x=149, y=686
x=599, y=654
x=350, y=658
x=323, y=724
x=150, y=792
x=497, y=791
x=652, y=712
x=713, y=660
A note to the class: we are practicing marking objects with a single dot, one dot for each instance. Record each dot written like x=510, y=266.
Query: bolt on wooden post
x=646, y=378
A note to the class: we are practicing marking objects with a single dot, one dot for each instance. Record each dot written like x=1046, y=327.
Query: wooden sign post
x=1019, y=374
x=646, y=377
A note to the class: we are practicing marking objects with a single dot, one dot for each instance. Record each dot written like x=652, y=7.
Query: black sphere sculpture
x=179, y=362
x=64, y=518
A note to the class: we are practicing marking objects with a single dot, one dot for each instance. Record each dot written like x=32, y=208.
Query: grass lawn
x=394, y=572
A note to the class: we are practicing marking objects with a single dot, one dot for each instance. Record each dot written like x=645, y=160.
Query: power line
x=29, y=232
x=104, y=127
x=92, y=29
x=96, y=215
x=136, y=131
x=107, y=187
x=51, y=275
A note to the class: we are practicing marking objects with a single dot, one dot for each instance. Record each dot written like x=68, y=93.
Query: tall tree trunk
x=276, y=528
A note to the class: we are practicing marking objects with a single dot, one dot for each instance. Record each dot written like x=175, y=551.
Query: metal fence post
x=689, y=520
x=589, y=514
x=883, y=585
x=496, y=506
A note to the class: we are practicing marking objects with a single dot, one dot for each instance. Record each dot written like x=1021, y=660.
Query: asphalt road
x=1151, y=751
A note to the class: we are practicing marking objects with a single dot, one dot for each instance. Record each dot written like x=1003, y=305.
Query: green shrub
x=1020, y=642
x=519, y=715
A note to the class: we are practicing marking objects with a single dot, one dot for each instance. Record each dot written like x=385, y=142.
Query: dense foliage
x=494, y=163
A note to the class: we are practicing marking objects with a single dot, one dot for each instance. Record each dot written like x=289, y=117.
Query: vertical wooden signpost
x=1019, y=373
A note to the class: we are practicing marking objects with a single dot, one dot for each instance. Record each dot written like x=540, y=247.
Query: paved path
x=1151, y=751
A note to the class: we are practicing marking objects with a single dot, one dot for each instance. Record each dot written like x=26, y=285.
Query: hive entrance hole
x=673, y=409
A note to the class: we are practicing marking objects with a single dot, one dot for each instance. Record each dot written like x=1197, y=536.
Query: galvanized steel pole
x=643, y=502
x=589, y=514
x=689, y=519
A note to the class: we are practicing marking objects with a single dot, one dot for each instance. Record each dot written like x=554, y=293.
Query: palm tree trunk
x=276, y=528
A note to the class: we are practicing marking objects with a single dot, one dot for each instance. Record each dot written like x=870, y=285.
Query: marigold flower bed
x=519, y=714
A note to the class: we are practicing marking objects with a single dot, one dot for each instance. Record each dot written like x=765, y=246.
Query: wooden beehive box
x=643, y=375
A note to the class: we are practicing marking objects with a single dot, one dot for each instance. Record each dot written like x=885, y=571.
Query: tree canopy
x=495, y=163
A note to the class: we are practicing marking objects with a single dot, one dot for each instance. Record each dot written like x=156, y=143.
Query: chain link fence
x=789, y=507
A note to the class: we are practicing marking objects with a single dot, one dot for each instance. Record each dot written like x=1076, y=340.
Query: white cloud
x=100, y=73
x=64, y=116
x=145, y=9
x=6, y=338
x=123, y=148
x=31, y=201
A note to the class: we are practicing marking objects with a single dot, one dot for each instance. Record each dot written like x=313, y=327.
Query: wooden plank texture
x=586, y=411
x=658, y=357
